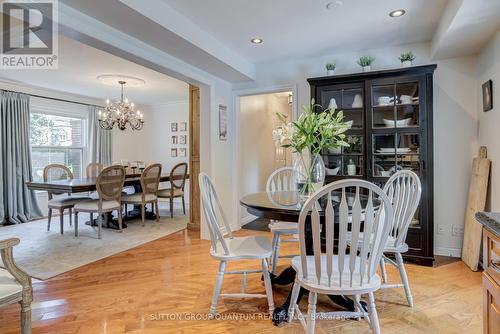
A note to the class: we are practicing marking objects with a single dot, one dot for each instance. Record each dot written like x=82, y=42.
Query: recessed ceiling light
x=257, y=40
x=397, y=13
x=333, y=4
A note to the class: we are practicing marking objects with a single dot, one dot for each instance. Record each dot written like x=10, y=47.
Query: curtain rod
x=52, y=98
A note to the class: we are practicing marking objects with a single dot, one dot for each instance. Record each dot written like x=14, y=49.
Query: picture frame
x=222, y=122
x=182, y=152
x=183, y=126
x=487, y=89
x=183, y=139
x=174, y=140
x=173, y=127
x=173, y=153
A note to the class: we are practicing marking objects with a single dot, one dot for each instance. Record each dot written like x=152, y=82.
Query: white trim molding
x=448, y=251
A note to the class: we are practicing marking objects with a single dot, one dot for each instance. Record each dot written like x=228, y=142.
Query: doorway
x=259, y=156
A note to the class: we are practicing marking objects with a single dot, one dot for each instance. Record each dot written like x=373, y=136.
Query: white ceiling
x=299, y=28
x=79, y=66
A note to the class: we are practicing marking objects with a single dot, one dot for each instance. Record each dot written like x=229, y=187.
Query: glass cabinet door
x=350, y=99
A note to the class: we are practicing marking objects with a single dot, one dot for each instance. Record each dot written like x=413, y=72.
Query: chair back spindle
x=404, y=190
x=371, y=214
x=210, y=205
x=282, y=179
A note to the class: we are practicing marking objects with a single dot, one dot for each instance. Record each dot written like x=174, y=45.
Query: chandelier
x=121, y=114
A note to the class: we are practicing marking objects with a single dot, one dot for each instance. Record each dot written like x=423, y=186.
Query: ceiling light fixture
x=257, y=40
x=397, y=13
x=121, y=114
x=333, y=4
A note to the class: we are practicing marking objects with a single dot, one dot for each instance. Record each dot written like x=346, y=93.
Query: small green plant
x=407, y=56
x=330, y=67
x=365, y=61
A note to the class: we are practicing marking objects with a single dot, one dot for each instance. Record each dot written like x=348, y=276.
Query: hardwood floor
x=143, y=289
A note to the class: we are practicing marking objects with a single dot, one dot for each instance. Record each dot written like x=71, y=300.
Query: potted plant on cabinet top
x=365, y=62
x=407, y=59
x=315, y=130
x=330, y=68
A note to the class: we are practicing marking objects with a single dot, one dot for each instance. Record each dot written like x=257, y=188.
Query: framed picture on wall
x=487, y=95
x=183, y=126
x=173, y=153
x=173, y=127
x=222, y=122
x=174, y=140
x=182, y=139
x=182, y=152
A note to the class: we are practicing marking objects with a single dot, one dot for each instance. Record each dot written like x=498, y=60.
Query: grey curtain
x=17, y=203
x=100, y=140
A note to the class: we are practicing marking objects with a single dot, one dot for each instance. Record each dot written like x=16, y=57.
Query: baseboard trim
x=447, y=251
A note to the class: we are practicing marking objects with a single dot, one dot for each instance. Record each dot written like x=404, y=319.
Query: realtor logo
x=29, y=34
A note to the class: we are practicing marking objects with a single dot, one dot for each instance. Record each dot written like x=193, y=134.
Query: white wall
x=455, y=121
x=258, y=159
x=489, y=134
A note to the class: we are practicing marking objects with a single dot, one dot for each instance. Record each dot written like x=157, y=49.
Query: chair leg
x=61, y=220
x=382, y=270
x=70, y=210
x=218, y=286
x=143, y=214
x=25, y=317
x=157, y=208
x=271, y=259
x=91, y=219
x=76, y=223
x=49, y=219
x=120, y=219
x=99, y=225
x=293, y=301
x=126, y=210
x=276, y=251
x=268, y=285
x=311, y=312
x=404, y=278
x=374, y=323
x=171, y=207
x=183, y=204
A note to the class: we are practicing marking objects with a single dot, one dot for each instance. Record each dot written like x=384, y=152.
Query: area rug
x=45, y=254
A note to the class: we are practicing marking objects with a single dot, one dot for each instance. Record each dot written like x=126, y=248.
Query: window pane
x=70, y=157
x=52, y=130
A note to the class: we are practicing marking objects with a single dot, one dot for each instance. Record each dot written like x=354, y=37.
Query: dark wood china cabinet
x=391, y=115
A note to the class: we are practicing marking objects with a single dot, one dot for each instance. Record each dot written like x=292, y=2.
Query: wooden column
x=194, y=158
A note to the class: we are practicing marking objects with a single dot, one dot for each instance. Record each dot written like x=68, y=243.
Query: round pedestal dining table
x=286, y=206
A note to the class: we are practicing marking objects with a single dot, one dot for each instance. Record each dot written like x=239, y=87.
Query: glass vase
x=310, y=173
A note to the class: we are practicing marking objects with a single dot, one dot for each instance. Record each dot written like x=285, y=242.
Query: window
x=57, y=139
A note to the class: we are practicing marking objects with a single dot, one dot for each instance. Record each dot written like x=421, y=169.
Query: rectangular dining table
x=89, y=184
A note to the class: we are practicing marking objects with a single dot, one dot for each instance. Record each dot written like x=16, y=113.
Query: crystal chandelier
x=121, y=114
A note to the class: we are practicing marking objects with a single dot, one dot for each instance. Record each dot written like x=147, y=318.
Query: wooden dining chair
x=93, y=169
x=109, y=187
x=61, y=201
x=15, y=284
x=150, y=180
x=177, y=183
x=282, y=179
x=226, y=247
x=346, y=273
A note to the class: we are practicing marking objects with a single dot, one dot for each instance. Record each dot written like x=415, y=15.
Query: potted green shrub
x=365, y=62
x=330, y=68
x=407, y=59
